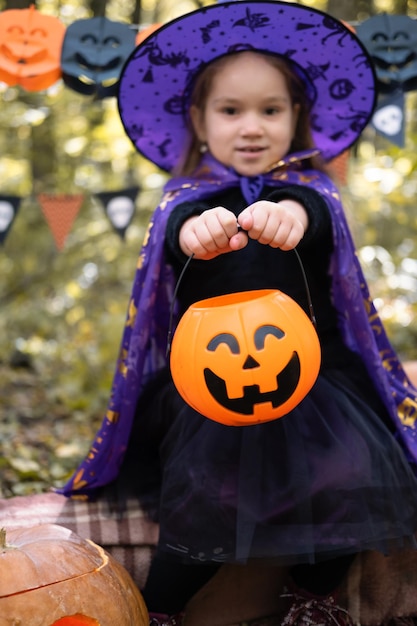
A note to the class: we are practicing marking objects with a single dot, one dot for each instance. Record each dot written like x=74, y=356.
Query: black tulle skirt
x=327, y=479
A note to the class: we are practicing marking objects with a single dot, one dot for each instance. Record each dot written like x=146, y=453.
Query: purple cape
x=144, y=340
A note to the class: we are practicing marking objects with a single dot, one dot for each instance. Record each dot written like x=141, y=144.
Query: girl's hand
x=214, y=232
x=276, y=224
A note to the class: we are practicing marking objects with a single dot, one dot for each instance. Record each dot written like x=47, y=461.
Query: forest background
x=62, y=310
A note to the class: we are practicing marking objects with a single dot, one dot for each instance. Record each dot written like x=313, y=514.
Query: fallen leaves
x=42, y=439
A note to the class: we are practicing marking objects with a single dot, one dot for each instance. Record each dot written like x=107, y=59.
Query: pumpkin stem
x=3, y=542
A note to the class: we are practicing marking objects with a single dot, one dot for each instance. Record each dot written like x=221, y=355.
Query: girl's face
x=249, y=120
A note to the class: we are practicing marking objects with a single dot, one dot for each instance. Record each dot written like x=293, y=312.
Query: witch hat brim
x=156, y=80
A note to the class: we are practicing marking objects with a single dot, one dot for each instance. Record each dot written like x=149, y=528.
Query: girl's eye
x=229, y=110
x=271, y=111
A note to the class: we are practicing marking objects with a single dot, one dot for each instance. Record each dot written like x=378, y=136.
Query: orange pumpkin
x=76, y=620
x=145, y=32
x=30, y=48
x=245, y=358
x=49, y=576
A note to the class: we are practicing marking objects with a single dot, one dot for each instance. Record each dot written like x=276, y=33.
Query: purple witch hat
x=157, y=78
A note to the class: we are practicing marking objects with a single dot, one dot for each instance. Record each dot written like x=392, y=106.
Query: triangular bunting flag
x=389, y=118
x=9, y=206
x=119, y=207
x=60, y=211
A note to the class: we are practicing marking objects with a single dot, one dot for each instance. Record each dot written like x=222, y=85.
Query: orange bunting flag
x=60, y=211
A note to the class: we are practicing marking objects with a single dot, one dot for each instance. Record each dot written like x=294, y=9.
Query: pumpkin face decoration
x=30, y=48
x=391, y=40
x=146, y=32
x=93, y=54
x=49, y=576
x=245, y=358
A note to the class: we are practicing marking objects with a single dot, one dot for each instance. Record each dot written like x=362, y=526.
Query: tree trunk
x=98, y=7
x=135, y=17
x=348, y=10
x=19, y=4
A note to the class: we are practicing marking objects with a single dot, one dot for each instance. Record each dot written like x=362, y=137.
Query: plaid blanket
x=379, y=590
x=129, y=538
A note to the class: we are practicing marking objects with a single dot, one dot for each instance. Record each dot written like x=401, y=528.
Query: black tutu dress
x=326, y=480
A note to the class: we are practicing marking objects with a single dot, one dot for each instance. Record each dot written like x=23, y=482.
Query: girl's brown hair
x=297, y=89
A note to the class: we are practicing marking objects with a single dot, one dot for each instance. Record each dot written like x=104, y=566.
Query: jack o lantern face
x=93, y=54
x=245, y=358
x=276, y=388
x=76, y=620
x=30, y=48
x=391, y=40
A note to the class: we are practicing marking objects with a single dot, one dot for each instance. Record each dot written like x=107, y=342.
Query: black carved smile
x=287, y=381
x=107, y=64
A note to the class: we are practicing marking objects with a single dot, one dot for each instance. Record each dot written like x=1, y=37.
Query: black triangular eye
x=228, y=339
x=263, y=331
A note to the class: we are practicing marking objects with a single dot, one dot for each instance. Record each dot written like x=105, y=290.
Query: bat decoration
x=30, y=48
x=391, y=40
x=93, y=54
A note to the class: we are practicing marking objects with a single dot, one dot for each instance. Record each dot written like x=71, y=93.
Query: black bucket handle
x=180, y=277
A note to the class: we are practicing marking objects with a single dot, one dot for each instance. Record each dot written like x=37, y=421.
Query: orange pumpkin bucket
x=245, y=358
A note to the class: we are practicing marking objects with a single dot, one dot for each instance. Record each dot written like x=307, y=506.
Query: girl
x=236, y=85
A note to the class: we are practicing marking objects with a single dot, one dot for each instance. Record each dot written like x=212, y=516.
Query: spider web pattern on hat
x=156, y=78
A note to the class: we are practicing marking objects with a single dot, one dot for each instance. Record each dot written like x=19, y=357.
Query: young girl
x=245, y=102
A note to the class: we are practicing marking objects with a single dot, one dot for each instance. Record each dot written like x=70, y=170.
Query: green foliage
x=62, y=312
x=381, y=203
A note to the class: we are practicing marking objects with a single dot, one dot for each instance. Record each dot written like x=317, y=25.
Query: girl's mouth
x=251, y=149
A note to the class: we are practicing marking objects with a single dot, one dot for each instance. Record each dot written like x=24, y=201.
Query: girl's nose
x=251, y=125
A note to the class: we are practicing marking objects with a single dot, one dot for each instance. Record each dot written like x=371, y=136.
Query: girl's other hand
x=276, y=224
x=214, y=232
